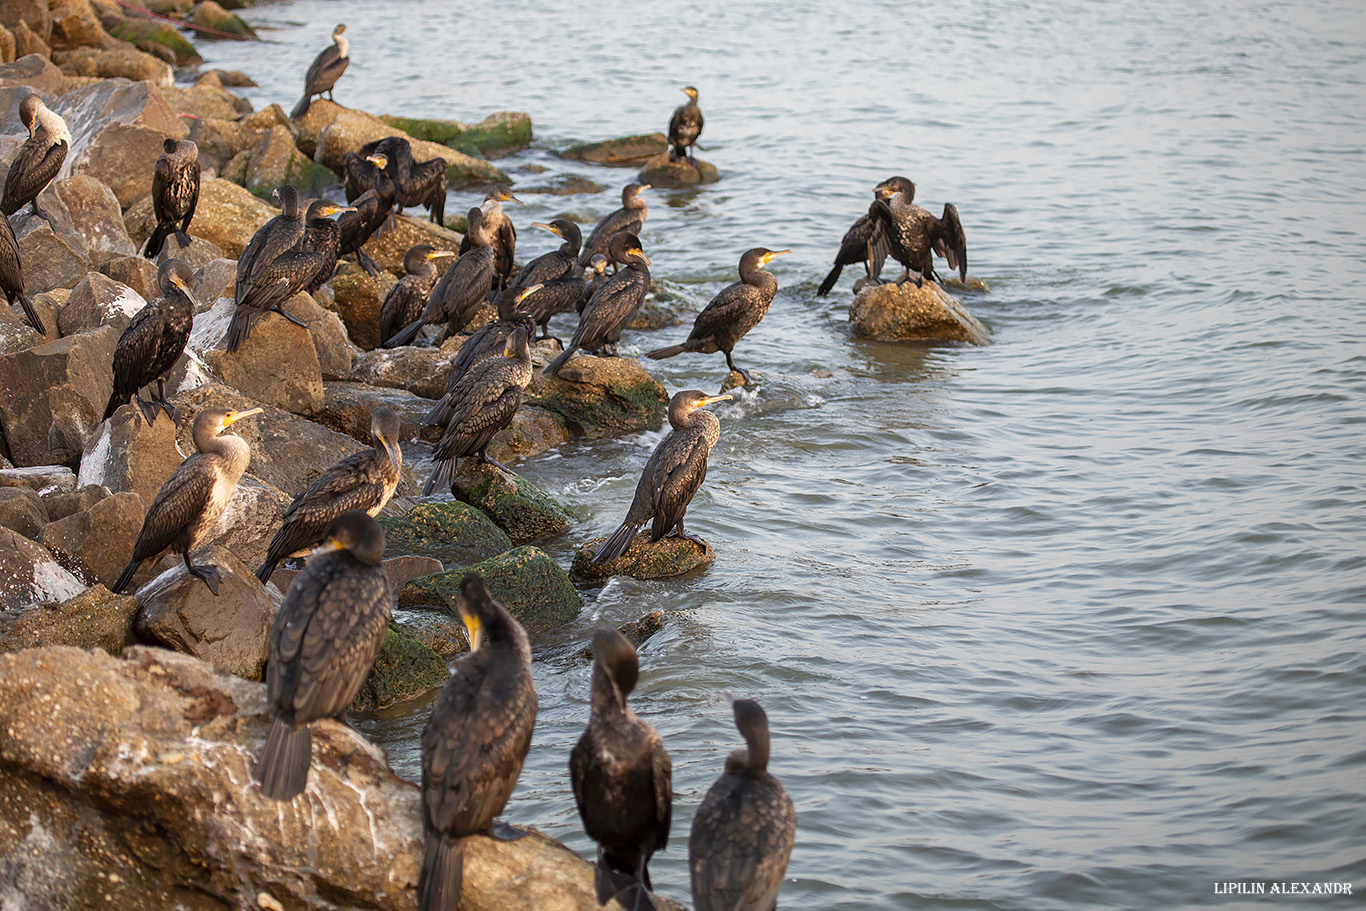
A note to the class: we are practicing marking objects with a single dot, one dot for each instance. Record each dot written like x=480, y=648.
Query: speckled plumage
x=461, y=289
x=39, y=158
x=407, y=298
x=153, y=341
x=12, y=277
x=175, y=194
x=913, y=234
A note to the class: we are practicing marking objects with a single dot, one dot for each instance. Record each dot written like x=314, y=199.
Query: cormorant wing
x=950, y=242
x=320, y=77
x=723, y=310
x=677, y=470
x=176, y=504
x=161, y=179
x=28, y=176
x=881, y=224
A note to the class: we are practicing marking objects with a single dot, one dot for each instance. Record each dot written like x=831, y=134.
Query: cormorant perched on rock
x=371, y=209
x=733, y=312
x=363, y=481
x=597, y=274
x=39, y=158
x=461, y=289
x=502, y=233
x=743, y=832
x=426, y=187
x=188, y=505
x=367, y=172
x=324, y=72
x=674, y=472
x=612, y=306
x=629, y=218
x=152, y=342
x=483, y=402
x=12, y=276
x=913, y=233
x=270, y=270
x=684, y=127
x=175, y=193
x=865, y=241
x=622, y=779
x=474, y=745
x=492, y=340
x=558, y=274
x=406, y=299
x=322, y=644
x=323, y=234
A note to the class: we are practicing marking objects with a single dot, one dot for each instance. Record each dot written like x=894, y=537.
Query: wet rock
x=136, y=272
x=347, y=408
x=22, y=511
x=524, y=580
x=229, y=629
x=636, y=631
x=421, y=371
x=275, y=162
x=661, y=171
x=452, y=532
x=601, y=396
x=404, y=669
x=97, y=544
x=29, y=574
x=158, y=39
x=60, y=504
x=50, y=260
x=515, y=506
x=56, y=393
x=897, y=313
x=211, y=15
x=359, y=299
x=409, y=566
x=117, y=129
x=28, y=43
x=563, y=185
x=439, y=631
x=96, y=618
x=48, y=480
x=233, y=78
x=277, y=365
x=97, y=301
x=626, y=151
x=128, y=454
x=645, y=560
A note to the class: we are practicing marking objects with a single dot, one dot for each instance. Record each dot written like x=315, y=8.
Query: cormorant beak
x=774, y=254
x=233, y=417
x=437, y=254
x=508, y=197
x=275, y=193
x=641, y=253
x=712, y=400
x=551, y=228
x=337, y=210
x=473, y=629
x=528, y=292
x=391, y=447
x=643, y=188
x=331, y=545
x=378, y=161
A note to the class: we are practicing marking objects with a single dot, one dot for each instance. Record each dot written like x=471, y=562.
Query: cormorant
x=483, y=402
x=684, y=127
x=324, y=72
x=622, y=779
x=188, y=505
x=322, y=644
x=913, y=233
x=596, y=276
x=371, y=209
x=674, y=472
x=490, y=341
x=629, y=218
x=427, y=188
x=558, y=274
x=502, y=233
x=363, y=481
x=152, y=342
x=323, y=234
x=175, y=193
x=612, y=305
x=405, y=300
x=461, y=289
x=733, y=312
x=367, y=172
x=743, y=832
x=12, y=277
x=474, y=745
x=865, y=242
x=39, y=158
x=270, y=270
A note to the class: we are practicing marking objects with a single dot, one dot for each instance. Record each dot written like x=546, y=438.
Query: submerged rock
x=525, y=580
x=625, y=151
x=899, y=313
x=96, y=618
x=663, y=171
x=644, y=560
x=515, y=506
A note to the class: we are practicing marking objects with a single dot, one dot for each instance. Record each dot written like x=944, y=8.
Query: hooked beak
x=712, y=400
x=437, y=254
x=641, y=253
x=551, y=228
x=774, y=254
x=234, y=416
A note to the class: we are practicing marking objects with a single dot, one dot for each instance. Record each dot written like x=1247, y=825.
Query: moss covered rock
x=662, y=171
x=212, y=15
x=439, y=631
x=151, y=36
x=452, y=532
x=497, y=134
x=525, y=580
x=515, y=506
x=601, y=396
x=96, y=618
x=405, y=669
x=626, y=151
x=645, y=560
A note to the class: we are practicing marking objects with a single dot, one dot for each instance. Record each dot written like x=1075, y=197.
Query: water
x=1072, y=621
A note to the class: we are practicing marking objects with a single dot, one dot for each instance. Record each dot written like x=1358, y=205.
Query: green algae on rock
x=525, y=580
x=661, y=559
x=452, y=532
x=513, y=504
x=404, y=669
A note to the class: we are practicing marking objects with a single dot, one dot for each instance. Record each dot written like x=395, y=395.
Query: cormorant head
x=752, y=722
x=210, y=422
x=760, y=257
x=527, y=292
x=691, y=92
x=599, y=263
x=625, y=246
x=631, y=191
x=289, y=200
x=501, y=193
x=564, y=229
x=478, y=611
x=894, y=185
x=356, y=532
x=339, y=30
x=28, y=112
x=378, y=159
x=617, y=658
x=326, y=208
x=689, y=400
x=384, y=430
x=175, y=273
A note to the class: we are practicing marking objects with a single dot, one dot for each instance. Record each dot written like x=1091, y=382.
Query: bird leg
x=678, y=532
x=906, y=276
x=366, y=262
x=740, y=370
x=485, y=460
x=148, y=409
x=208, y=572
x=172, y=411
x=44, y=216
x=505, y=831
x=291, y=317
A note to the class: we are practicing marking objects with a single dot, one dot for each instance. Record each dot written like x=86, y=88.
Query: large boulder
x=601, y=396
x=28, y=43
x=30, y=574
x=645, y=560
x=124, y=61
x=210, y=14
x=452, y=532
x=334, y=350
x=98, y=300
x=347, y=408
x=128, y=454
x=496, y=134
x=160, y=39
x=277, y=365
x=515, y=506
x=55, y=396
x=15, y=332
x=22, y=510
x=48, y=480
x=136, y=272
x=626, y=151
x=96, y=217
x=663, y=171
x=117, y=130
x=35, y=14
x=525, y=580
x=75, y=24
x=388, y=250
x=96, y=544
x=358, y=298
x=901, y=313
x=96, y=618
x=51, y=259
x=405, y=668
x=421, y=371
x=275, y=161
x=60, y=504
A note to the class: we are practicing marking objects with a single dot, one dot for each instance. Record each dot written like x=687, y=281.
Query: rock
x=661, y=171
x=388, y=250
x=598, y=397
x=48, y=480
x=229, y=629
x=123, y=61
x=50, y=260
x=61, y=504
x=97, y=544
x=347, y=408
x=524, y=580
x=128, y=454
x=971, y=284
x=898, y=313
x=56, y=394
x=35, y=14
x=135, y=272
x=31, y=71
x=421, y=371
x=645, y=560
x=253, y=515
x=97, y=301
x=218, y=140
x=211, y=15
x=497, y=134
x=409, y=566
x=233, y=78
x=22, y=511
x=516, y=507
x=28, y=43
x=624, y=152
x=118, y=129
x=208, y=100
x=157, y=38
x=6, y=45
x=216, y=278
x=404, y=669
x=272, y=115
x=636, y=631
x=452, y=532
x=533, y=431
x=275, y=162
x=329, y=336
x=277, y=365
x=95, y=618
x=29, y=574
x=75, y=25
x=359, y=299
x=563, y=185
x=440, y=632
x=15, y=332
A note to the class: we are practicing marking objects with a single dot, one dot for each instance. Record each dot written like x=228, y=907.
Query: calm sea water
x=1074, y=621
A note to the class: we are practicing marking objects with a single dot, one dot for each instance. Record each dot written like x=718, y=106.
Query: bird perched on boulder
x=913, y=234
x=865, y=241
x=324, y=71
x=322, y=234
x=502, y=233
x=272, y=269
x=611, y=307
x=630, y=218
x=557, y=273
x=405, y=300
x=684, y=127
x=461, y=289
x=370, y=210
x=39, y=158
x=175, y=193
x=153, y=341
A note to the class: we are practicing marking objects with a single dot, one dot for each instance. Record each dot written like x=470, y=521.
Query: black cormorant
x=324, y=71
x=596, y=275
x=322, y=644
x=629, y=218
x=474, y=745
x=743, y=832
x=733, y=312
x=188, y=505
x=612, y=305
x=622, y=779
x=367, y=172
x=492, y=340
x=674, y=472
x=152, y=342
x=913, y=234
x=558, y=274
x=12, y=277
x=39, y=158
x=426, y=187
x=371, y=209
x=363, y=481
x=271, y=270
x=406, y=299
x=175, y=193
x=865, y=242
x=502, y=233
x=461, y=289
x=323, y=234
x=684, y=127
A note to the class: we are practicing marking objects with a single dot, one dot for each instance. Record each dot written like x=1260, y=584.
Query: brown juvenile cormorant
x=913, y=234
x=674, y=472
x=323, y=234
x=406, y=299
x=12, y=277
x=743, y=832
x=474, y=745
x=324, y=72
x=322, y=644
x=371, y=209
x=733, y=312
x=492, y=340
x=483, y=402
x=502, y=233
x=363, y=481
x=271, y=270
x=629, y=218
x=461, y=289
x=175, y=193
x=596, y=276
x=558, y=274
x=39, y=158
x=152, y=342
x=188, y=505
x=612, y=306
x=684, y=127
x=622, y=779
x=865, y=241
